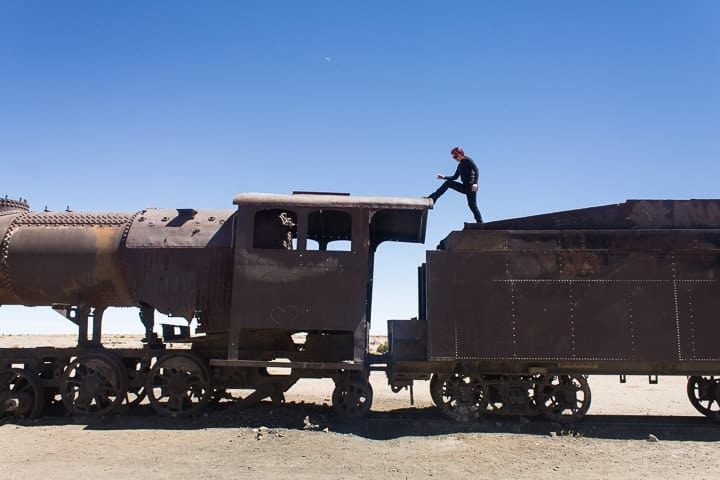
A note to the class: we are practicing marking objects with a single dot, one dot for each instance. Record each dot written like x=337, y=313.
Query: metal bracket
x=80, y=315
x=623, y=378
x=653, y=379
x=175, y=332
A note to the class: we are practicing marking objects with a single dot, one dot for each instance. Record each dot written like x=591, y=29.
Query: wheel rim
x=20, y=394
x=563, y=398
x=353, y=398
x=436, y=389
x=704, y=394
x=460, y=397
x=93, y=384
x=178, y=385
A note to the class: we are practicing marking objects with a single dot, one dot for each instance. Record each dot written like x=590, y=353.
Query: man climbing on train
x=468, y=173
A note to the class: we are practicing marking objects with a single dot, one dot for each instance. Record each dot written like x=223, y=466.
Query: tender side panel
x=614, y=335
x=556, y=299
x=468, y=313
x=543, y=324
x=698, y=292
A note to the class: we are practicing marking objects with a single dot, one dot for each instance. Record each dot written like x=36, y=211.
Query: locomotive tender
x=512, y=316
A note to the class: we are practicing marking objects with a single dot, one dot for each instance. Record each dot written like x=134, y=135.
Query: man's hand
x=474, y=187
x=441, y=176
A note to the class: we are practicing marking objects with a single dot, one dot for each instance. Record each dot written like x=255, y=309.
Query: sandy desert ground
x=304, y=439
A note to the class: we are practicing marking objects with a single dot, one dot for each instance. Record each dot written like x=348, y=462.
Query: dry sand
x=304, y=439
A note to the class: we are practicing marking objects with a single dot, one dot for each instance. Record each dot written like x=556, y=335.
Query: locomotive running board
x=306, y=365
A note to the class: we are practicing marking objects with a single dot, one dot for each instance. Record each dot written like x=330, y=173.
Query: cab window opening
x=275, y=229
x=329, y=230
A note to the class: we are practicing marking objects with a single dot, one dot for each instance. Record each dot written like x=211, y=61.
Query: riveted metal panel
x=7, y=292
x=646, y=214
x=632, y=295
x=180, y=228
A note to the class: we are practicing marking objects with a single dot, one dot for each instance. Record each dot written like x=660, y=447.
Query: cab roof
x=393, y=218
x=328, y=200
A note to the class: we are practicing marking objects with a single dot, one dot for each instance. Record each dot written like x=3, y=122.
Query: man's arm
x=454, y=177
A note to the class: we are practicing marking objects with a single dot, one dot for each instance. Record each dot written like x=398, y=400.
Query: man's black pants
x=465, y=188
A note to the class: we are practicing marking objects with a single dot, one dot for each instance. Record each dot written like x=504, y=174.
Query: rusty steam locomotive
x=512, y=317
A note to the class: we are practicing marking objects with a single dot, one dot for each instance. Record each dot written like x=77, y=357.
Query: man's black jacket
x=467, y=171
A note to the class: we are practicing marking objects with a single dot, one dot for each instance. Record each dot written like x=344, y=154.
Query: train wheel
x=436, y=389
x=563, y=398
x=352, y=398
x=178, y=385
x=460, y=397
x=93, y=384
x=704, y=394
x=20, y=394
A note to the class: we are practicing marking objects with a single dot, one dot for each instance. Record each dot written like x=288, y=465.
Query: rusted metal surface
x=9, y=205
x=278, y=265
x=665, y=214
x=640, y=288
x=67, y=258
x=512, y=315
x=314, y=285
x=398, y=219
x=301, y=199
x=178, y=262
x=181, y=228
x=407, y=340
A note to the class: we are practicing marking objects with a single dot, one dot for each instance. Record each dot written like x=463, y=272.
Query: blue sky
x=117, y=106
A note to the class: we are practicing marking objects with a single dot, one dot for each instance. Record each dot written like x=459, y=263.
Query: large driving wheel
x=460, y=397
x=563, y=398
x=352, y=398
x=20, y=394
x=704, y=394
x=178, y=385
x=93, y=384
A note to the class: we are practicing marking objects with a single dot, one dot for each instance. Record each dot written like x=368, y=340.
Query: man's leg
x=472, y=203
x=444, y=188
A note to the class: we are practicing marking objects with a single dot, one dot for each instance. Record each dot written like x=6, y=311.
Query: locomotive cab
x=303, y=263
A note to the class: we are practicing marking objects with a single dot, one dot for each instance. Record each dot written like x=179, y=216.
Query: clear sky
x=121, y=105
